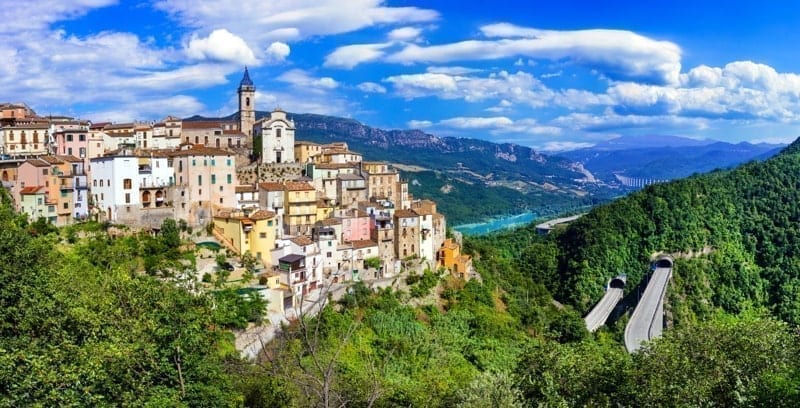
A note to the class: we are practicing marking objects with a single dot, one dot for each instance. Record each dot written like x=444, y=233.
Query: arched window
x=35, y=136
x=205, y=140
x=278, y=132
x=247, y=101
x=22, y=138
x=217, y=143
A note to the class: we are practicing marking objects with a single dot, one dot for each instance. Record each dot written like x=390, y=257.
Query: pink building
x=355, y=225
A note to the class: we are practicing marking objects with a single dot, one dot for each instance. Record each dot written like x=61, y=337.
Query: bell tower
x=247, y=111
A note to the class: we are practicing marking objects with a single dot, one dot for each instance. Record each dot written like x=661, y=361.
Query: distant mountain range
x=665, y=157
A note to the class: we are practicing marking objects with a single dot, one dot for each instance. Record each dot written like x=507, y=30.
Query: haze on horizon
x=553, y=76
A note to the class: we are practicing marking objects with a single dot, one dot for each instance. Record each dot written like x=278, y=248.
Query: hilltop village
x=310, y=214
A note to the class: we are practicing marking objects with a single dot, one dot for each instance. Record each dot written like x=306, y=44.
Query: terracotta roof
x=200, y=150
x=261, y=215
x=405, y=214
x=330, y=221
x=350, y=177
x=205, y=124
x=363, y=244
x=298, y=186
x=52, y=159
x=270, y=186
x=234, y=132
x=302, y=240
x=302, y=142
x=37, y=163
x=31, y=189
x=69, y=158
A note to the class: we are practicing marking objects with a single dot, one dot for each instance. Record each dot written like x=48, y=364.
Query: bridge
x=647, y=320
x=599, y=314
x=637, y=182
x=545, y=227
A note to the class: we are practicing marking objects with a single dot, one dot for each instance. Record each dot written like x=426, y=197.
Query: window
x=229, y=162
x=44, y=172
x=220, y=189
x=69, y=138
x=262, y=235
x=199, y=179
x=220, y=200
x=278, y=132
x=102, y=196
x=66, y=206
x=101, y=182
x=126, y=184
x=214, y=162
x=81, y=138
x=82, y=152
x=230, y=178
x=39, y=201
x=328, y=255
x=213, y=179
x=69, y=151
x=127, y=198
x=330, y=243
x=194, y=162
x=269, y=223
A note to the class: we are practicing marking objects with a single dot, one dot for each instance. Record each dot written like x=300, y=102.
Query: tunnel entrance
x=618, y=282
x=664, y=263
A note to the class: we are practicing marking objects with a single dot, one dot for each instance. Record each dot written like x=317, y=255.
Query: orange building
x=450, y=257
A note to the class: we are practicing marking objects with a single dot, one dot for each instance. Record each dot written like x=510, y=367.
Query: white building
x=124, y=187
x=277, y=138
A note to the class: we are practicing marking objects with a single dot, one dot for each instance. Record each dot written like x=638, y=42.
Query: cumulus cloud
x=260, y=21
x=739, y=90
x=405, y=34
x=419, y=124
x=349, y=56
x=371, y=87
x=521, y=87
x=277, y=52
x=221, y=45
x=617, y=54
x=301, y=78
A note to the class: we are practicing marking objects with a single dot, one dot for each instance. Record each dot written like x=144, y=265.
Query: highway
x=647, y=320
x=599, y=314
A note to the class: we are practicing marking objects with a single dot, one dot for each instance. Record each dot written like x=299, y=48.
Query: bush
x=206, y=277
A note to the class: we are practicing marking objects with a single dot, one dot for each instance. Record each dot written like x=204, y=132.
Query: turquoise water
x=496, y=224
x=210, y=245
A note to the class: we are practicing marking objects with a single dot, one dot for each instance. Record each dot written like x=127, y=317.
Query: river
x=496, y=224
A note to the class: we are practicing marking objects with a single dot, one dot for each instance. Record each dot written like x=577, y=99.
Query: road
x=598, y=316
x=647, y=320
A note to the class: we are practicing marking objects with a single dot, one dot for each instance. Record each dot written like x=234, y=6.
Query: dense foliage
x=89, y=318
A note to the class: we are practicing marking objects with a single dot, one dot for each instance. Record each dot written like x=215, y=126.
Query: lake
x=496, y=224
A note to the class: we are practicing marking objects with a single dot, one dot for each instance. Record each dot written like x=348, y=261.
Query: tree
x=249, y=263
x=170, y=234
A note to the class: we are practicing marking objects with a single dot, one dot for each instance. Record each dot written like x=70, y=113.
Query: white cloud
x=419, y=124
x=220, y=45
x=477, y=122
x=454, y=70
x=494, y=125
x=177, y=105
x=552, y=74
x=739, y=90
x=563, y=146
x=261, y=21
x=36, y=15
x=617, y=54
x=610, y=121
x=301, y=78
x=520, y=88
x=371, y=87
x=405, y=34
x=277, y=52
x=349, y=56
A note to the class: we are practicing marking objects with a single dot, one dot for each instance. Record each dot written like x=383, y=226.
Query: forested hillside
x=94, y=318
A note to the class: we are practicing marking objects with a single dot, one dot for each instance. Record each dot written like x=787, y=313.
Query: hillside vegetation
x=90, y=319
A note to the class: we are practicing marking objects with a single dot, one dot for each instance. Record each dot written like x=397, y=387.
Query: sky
x=551, y=75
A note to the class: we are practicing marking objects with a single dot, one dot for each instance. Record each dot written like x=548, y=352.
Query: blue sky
x=551, y=75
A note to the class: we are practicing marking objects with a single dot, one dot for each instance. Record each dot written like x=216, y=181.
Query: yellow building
x=254, y=232
x=301, y=208
x=306, y=152
x=450, y=257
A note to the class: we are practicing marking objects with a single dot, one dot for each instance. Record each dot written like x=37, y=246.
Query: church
x=276, y=130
